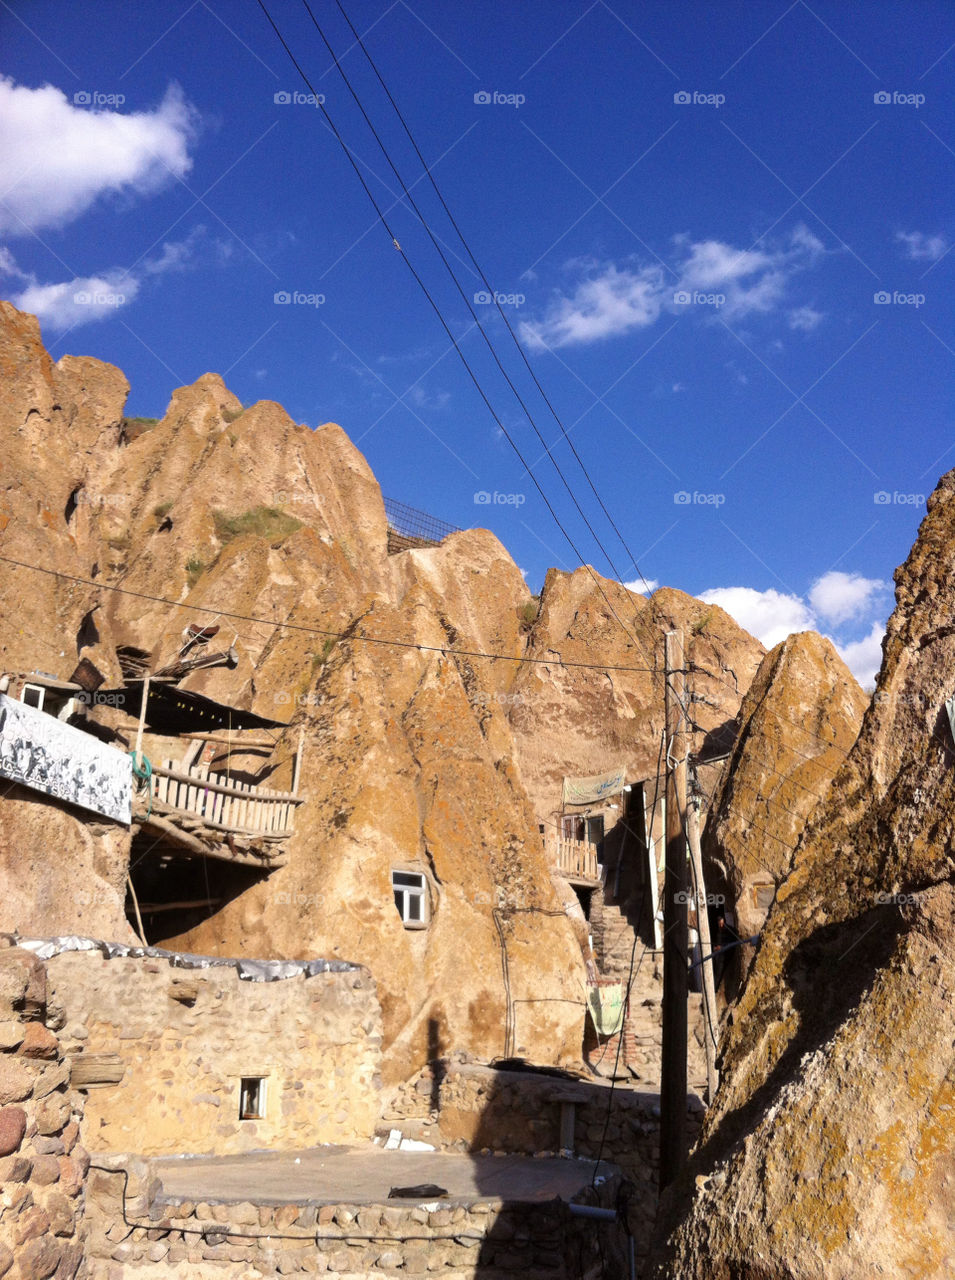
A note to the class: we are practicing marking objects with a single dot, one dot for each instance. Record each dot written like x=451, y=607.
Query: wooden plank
x=204, y=801
x=187, y=799
x=231, y=789
x=214, y=799
x=166, y=823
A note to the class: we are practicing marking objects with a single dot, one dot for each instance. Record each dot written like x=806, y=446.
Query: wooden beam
x=176, y=833
x=199, y=782
x=710, y=1018
x=142, y=724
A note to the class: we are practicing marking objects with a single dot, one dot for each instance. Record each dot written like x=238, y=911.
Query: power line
x=484, y=280
x=450, y=270
x=446, y=650
x=779, y=716
x=444, y=324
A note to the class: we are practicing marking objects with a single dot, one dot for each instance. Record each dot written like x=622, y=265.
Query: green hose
x=143, y=774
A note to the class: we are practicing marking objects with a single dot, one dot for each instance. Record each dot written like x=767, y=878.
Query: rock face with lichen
x=828, y=1152
x=568, y=719
x=417, y=755
x=797, y=723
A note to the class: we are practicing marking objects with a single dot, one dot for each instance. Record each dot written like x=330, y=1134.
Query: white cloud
x=642, y=588
x=610, y=299
x=422, y=399
x=835, y=598
x=63, y=306
x=710, y=264
x=805, y=319
x=58, y=158
x=921, y=247
x=609, y=303
x=8, y=265
x=770, y=615
x=864, y=657
x=67, y=304
x=839, y=597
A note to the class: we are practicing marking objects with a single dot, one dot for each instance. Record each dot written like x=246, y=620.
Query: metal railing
x=223, y=803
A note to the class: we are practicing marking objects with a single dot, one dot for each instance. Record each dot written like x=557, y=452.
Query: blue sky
x=722, y=232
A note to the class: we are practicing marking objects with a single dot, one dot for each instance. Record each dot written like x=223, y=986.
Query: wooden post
x=142, y=724
x=674, y=1046
x=710, y=1022
x=139, y=919
x=297, y=770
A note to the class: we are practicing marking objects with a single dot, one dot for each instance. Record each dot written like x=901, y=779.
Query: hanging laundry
x=606, y=1006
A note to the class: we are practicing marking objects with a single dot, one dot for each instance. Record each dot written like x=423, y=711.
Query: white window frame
x=37, y=689
x=411, y=899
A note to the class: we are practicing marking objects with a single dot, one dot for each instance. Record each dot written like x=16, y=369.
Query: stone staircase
x=614, y=934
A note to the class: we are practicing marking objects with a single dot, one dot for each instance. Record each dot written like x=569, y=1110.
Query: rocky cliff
x=569, y=720
x=415, y=755
x=828, y=1152
x=798, y=722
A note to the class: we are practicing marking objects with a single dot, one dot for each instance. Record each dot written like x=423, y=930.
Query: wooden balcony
x=576, y=860
x=190, y=810
x=222, y=803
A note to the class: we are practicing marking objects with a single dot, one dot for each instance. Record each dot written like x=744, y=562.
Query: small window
x=32, y=695
x=595, y=830
x=763, y=895
x=252, y=1098
x=411, y=898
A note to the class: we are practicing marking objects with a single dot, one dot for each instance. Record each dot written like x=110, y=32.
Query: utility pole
x=710, y=1022
x=675, y=939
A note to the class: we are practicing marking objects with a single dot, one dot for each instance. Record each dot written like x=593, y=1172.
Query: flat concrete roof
x=365, y=1175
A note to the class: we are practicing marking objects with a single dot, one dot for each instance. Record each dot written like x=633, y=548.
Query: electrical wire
x=447, y=650
x=451, y=272
x=565, y=434
x=437, y=310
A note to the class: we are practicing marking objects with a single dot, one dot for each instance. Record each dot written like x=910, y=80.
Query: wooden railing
x=223, y=803
x=576, y=858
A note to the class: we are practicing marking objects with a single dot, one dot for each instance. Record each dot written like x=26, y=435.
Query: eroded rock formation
x=569, y=720
x=798, y=722
x=828, y=1152
x=414, y=756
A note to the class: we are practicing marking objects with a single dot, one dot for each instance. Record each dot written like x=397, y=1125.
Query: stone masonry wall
x=42, y=1165
x=479, y=1109
x=136, y=1234
x=182, y=1039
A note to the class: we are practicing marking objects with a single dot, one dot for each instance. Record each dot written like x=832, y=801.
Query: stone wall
x=467, y=1107
x=136, y=1232
x=181, y=1039
x=42, y=1165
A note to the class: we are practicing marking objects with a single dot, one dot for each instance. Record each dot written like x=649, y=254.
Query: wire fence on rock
x=408, y=527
